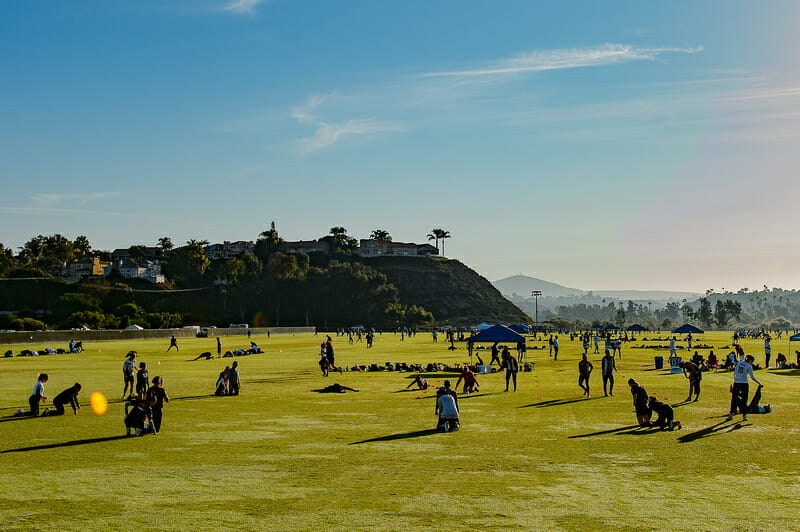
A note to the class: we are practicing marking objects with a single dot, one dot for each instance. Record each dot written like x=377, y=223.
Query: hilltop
x=522, y=285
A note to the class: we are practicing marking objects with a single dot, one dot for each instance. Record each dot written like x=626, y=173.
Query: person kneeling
x=447, y=409
x=136, y=418
x=665, y=415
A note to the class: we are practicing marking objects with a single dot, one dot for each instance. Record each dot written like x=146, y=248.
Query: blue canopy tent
x=482, y=327
x=520, y=328
x=636, y=327
x=795, y=338
x=611, y=327
x=686, y=328
x=597, y=326
x=496, y=333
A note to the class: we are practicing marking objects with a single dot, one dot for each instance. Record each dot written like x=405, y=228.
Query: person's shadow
x=64, y=444
x=709, y=431
x=399, y=436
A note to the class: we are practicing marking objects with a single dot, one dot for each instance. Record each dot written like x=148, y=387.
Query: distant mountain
x=523, y=285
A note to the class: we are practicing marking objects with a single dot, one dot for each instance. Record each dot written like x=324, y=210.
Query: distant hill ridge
x=523, y=285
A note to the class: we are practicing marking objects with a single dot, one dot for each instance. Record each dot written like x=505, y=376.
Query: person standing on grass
x=607, y=368
x=128, y=367
x=512, y=367
x=173, y=342
x=596, y=343
x=741, y=372
x=158, y=395
x=219, y=347
x=142, y=378
x=330, y=356
x=551, y=345
x=640, y=403
x=584, y=370
x=555, y=347
x=692, y=372
x=767, y=350
x=233, y=379
x=68, y=396
x=672, y=351
x=495, y=355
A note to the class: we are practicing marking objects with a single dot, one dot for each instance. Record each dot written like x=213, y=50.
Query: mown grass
x=279, y=457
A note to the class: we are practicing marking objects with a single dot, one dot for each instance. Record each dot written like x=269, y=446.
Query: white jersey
x=741, y=371
x=38, y=389
x=128, y=366
x=447, y=407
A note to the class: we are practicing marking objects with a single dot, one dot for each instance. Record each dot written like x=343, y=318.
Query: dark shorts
x=128, y=378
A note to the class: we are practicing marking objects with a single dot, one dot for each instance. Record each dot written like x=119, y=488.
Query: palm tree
x=434, y=235
x=165, y=243
x=380, y=234
x=443, y=236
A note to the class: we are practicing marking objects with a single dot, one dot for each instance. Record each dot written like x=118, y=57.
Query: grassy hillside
x=453, y=292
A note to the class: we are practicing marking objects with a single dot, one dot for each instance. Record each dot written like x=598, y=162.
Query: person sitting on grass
x=711, y=362
x=137, y=417
x=422, y=384
x=335, y=388
x=665, y=415
x=447, y=410
x=470, y=381
x=780, y=361
x=68, y=396
x=222, y=382
x=233, y=379
x=754, y=407
x=640, y=403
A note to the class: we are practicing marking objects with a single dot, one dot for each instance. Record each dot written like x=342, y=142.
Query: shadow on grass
x=559, y=402
x=401, y=436
x=785, y=372
x=600, y=433
x=709, y=431
x=65, y=444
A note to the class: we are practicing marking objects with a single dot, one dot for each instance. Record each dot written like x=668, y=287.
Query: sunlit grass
x=281, y=457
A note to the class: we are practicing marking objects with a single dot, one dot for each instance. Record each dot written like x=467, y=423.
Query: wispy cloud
x=243, y=7
x=327, y=132
x=73, y=199
x=541, y=60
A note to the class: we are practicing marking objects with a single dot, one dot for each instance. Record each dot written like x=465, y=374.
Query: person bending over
x=692, y=372
x=640, y=403
x=665, y=415
x=68, y=396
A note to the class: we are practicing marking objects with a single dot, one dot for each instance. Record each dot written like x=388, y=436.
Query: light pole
x=536, y=294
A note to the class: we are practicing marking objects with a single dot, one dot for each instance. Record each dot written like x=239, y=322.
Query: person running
x=584, y=370
x=422, y=384
x=470, y=382
x=692, y=372
x=640, y=403
x=142, y=380
x=512, y=368
x=128, y=368
x=173, y=342
x=607, y=368
x=159, y=397
x=233, y=379
x=68, y=396
x=666, y=415
x=495, y=355
x=741, y=372
x=447, y=410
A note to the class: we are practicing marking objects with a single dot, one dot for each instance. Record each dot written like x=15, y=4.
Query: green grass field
x=279, y=457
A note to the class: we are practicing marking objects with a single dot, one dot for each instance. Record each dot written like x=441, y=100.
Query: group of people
x=327, y=358
x=228, y=382
x=66, y=397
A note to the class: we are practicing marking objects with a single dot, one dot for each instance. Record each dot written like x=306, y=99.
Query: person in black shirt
x=68, y=396
x=584, y=370
x=173, y=342
x=135, y=419
x=142, y=378
x=159, y=396
x=665, y=415
x=640, y=403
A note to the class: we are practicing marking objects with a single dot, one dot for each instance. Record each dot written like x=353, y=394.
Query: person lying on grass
x=335, y=388
x=422, y=384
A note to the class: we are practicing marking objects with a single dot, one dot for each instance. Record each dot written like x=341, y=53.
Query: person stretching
x=640, y=403
x=421, y=383
x=741, y=372
x=692, y=372
x=665, y=415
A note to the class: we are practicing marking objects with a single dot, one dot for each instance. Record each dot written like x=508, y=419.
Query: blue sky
x=594, y=144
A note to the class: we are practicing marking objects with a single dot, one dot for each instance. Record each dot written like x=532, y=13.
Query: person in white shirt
x=741, y=372
x=672, y=351
x=767, y=351
x=447, y=409
x=128, y=368
x=555, y=348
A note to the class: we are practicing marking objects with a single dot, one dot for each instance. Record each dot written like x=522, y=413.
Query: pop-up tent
x=636, y=327
x=520, y=328
x=793, y=338
x=597, y=326
x=482, y=327
x=611, y=327
x=496, y=333
x=686, y=328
